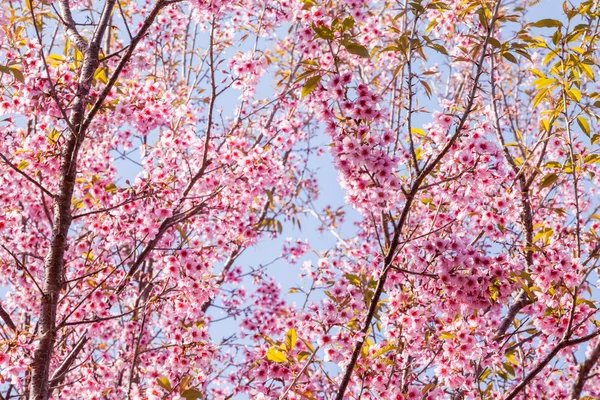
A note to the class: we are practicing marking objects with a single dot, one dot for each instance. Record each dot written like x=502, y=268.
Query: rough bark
x=62, y=217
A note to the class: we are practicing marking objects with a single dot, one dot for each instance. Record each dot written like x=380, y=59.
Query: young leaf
x=548, y=180
x=290, y=339
x=548, y=23
x=192, y=394
x=310, y=85
x=163, y=382
x=356, y=48
x=22, y=165
x=273, y=354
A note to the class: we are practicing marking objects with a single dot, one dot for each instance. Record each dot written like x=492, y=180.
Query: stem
x=54, y=260
x=583, y=374
x=427, y=169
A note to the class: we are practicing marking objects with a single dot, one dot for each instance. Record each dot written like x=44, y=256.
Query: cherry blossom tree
x=464, y=133
x=109, y=280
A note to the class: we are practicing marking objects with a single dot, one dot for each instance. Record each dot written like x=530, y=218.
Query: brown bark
x=584, y=371
x=79, y=123
x=422, y=175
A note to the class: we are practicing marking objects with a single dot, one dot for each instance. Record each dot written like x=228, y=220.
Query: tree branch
x=427, y=169
x=59, y=374
x=71, y=27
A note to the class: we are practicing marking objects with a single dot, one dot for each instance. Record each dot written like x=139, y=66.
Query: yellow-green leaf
x=544, y=234
x=543, y=82
x=22, y=165
x=418, y=131
x=163, y=382
x=485, y=374
x=384, y=350
x=356, y=48
x=548, y=180
x=273, y=354
x=310, y=85
x=192, y=394
x=303, y=355
x=510, y=57
x=290, y=339
x=513, y=360
x=592, y=158
x=184, y=384
x=308, y=345
x=539, y=97
x=583, y=124
x=548, y=23
x=553, y=164
x=575, y=94
x=588, y=71
x=508, y=368
x=55, y=59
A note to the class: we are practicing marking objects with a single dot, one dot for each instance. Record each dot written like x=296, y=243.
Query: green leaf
x=192, y=394
x=356, y=48
x=290, y=339
x=163, y=382
x=323, y=32
x=548, y=180
x=14, y=71
x=509, y=368
x=111, y=187
x=273, y=354
x=548, y=23
x=308, y=345
x=348, y=23
x=439, y=48
x=310, y=85
x=510, y=57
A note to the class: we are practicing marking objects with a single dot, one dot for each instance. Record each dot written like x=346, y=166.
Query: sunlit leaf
x=310, y=85
x=548, y=23
x=273, y=354
x=548, y=180
x=290, y=339
x=163, y=382
x=356, y=48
